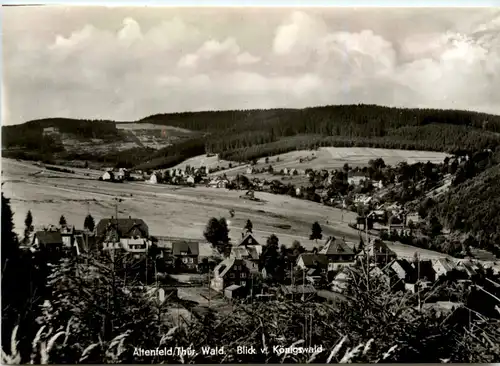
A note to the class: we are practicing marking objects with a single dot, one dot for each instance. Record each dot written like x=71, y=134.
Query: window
x=191, y=260
x=243, y=283
x=184, y=260
x=231, y=275
x=243, y=275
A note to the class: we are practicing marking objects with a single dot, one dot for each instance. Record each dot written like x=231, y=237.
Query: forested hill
x=281, y=130
x=325, y=120
x=248, y=134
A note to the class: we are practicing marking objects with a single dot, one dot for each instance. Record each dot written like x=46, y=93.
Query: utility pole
x=367, y=254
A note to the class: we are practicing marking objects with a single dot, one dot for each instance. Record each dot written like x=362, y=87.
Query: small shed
x=234, y=292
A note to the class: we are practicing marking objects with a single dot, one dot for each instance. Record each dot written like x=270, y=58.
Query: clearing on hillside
x=335, y=157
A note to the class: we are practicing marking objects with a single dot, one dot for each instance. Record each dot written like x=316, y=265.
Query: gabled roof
x=224, y=267
x=239, y=252
x=191, y=248
x=446, y=263
x=334, y=246
x=310, y=258
x=405, y=266
x=49, y=237
x=378, y=247
x=248, y=239
x=125, y=227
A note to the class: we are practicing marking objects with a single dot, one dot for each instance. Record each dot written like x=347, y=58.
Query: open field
x=173, y=211
x=335, y=157
x=207, y=161
x=150, y=126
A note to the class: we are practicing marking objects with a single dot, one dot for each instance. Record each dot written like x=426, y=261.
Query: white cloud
x=246, y=58
x=145, y=65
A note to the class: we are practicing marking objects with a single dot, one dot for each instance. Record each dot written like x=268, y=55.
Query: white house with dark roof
x=338, y=254
x=308, y=261
x=443, y=266
x=186, y=254
x=50, y=240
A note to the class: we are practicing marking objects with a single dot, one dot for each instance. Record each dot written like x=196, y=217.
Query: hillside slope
x=163, y=140
x=473, y=207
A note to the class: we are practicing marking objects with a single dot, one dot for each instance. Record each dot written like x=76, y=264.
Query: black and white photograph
x=216, y=185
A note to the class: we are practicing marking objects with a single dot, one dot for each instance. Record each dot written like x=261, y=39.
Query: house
x=67, y=235
x=235, y=292
x=341, y=281
x=153, y=179
x=123, y=174
x=108, y=176
x=135, y=245
x=424, y=270
x=392, y=275
x=248, y=240
x=230, y=271
x=298, y=191
x=355, y=178
x=379, y=252
x=295, y=292
x=186, y=254
x=49, y=240
x=307, y=261
x=338, y=254
x=285, y=171
x=443, y=266
x=419, y=285
x=124, y=228
x=293, y=171
x=190, y=180
x=398, y=230
x=250, y=170
x=128, y=234
x=379, y=215
x=362, y=221
x=249, y=253
x=218, y=182
x=413, y=217
x=404, y=270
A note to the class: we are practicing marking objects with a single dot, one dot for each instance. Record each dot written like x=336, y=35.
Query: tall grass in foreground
x=108, y=319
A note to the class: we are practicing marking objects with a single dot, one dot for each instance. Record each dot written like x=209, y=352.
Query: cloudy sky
x=127, y=63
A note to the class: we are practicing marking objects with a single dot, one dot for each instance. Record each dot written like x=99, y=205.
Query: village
x=202, y=275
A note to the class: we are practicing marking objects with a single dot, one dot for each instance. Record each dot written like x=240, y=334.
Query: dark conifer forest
x=249, y=134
